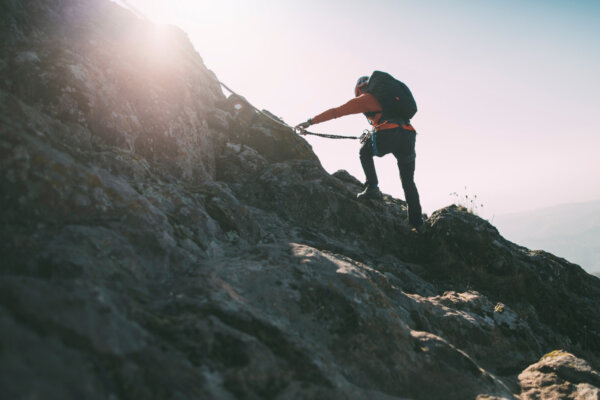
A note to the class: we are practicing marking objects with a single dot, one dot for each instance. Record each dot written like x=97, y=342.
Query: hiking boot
x=371, y=192
x=420, y=228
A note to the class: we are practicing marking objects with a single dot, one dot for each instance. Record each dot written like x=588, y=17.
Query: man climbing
x=388, y=105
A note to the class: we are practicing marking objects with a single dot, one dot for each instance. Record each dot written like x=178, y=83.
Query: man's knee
x=407, y=170
x=405, y=161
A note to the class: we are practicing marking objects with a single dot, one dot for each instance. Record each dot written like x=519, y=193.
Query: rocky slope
x=159, y=243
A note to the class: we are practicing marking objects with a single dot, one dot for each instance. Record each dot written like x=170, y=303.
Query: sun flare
x=182, y=12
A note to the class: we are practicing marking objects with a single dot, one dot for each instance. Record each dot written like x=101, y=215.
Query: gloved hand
x=302, y=126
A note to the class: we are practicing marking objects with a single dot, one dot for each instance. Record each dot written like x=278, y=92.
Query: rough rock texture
x=159, y=242
x=560, y=375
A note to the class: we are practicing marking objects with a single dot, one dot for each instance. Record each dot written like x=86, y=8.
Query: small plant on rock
x=466, y=201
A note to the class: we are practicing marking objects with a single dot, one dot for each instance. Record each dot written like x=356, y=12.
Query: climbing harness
x=297, y=130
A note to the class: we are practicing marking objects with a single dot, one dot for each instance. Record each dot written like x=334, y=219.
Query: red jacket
x=364, y=103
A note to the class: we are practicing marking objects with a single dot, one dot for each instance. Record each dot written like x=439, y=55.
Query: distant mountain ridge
x=571, y=231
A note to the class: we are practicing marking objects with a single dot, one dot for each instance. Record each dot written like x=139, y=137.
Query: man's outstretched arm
x=366, y=102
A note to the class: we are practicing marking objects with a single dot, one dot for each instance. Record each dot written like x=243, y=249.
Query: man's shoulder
x=369, y=101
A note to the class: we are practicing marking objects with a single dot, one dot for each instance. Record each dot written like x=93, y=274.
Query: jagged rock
x=95, y=72
x=478, y=256
x=560, y=375
x=159, y=242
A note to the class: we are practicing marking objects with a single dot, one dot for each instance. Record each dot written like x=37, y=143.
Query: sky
x=508, y=91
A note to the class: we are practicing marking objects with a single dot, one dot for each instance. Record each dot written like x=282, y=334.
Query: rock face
x=158, y=242
x=560, y=375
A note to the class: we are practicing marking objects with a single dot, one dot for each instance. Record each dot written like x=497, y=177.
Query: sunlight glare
x=184, y=12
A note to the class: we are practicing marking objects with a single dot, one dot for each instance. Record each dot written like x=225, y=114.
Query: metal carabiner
x=365, y=136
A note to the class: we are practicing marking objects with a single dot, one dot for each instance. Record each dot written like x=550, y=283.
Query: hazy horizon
x=570, y=231
x=507, y=91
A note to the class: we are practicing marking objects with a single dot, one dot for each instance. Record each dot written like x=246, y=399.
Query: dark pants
x=401, y=143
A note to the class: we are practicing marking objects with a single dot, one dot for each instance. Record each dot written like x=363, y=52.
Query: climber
x=388, y=105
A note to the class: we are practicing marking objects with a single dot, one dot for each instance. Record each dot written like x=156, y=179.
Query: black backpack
x=394, y=96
